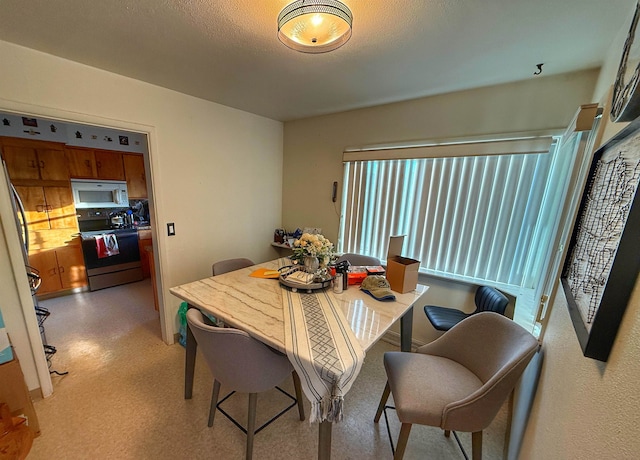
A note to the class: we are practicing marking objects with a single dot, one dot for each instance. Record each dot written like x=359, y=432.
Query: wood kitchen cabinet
x=145, y=240
x=82, y=163
x=61, y=268
x=109, y=165
x=34, y=160
x=94, y=164
x=40, y=172
x=134, y=172
x=48, y=207
x=145, y=245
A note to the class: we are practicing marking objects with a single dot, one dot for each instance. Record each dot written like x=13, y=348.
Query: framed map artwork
x=603, y=258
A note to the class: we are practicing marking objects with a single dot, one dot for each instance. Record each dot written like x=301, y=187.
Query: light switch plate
x=171, y=229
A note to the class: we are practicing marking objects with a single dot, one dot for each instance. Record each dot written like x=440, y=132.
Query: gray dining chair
x=487, y=298
x=229, y=265
x=245, y=365
x=225, y=266
x=460, y=380
x=359, y=259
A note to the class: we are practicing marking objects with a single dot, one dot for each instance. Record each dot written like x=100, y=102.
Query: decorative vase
x=311, y=264
x=324, y=261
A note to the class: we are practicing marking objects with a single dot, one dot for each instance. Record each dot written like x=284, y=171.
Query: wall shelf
x=281, y=245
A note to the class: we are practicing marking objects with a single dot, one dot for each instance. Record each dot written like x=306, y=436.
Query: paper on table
x=265, y=273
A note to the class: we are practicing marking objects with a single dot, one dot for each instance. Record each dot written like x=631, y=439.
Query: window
x=480, y=218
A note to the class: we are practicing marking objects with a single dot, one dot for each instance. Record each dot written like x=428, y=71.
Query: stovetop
x=115, y=231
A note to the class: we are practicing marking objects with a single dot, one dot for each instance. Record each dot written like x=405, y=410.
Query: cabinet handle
x=48, y=208
x=40, y=207
x=87, y=163
x=61, y=269
x=53, y=271
x=42, y=163
x=99, y=164
x=32, y=164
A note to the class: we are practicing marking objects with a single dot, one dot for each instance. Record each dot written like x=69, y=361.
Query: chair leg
x=251, y=424
x=402, y=441
x=476, y=445
x=447, y=433
x=214, y=401
x=298, y=388
x=383, y=402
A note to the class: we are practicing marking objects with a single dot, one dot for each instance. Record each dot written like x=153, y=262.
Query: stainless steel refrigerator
x=33, y=275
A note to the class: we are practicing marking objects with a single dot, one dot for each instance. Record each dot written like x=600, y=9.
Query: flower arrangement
x=310, y=245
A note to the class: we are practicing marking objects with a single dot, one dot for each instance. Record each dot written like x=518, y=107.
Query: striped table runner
x=323, y=350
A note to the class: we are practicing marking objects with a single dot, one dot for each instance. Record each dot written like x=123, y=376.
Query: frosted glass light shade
x=315, y=26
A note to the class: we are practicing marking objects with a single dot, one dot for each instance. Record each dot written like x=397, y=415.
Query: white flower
x=313, y=245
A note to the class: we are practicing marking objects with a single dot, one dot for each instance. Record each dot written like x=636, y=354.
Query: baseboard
x=36, y=394
x=393, y=338
x=62, y=293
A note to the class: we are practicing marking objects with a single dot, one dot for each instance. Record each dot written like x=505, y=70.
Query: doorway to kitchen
x=34, y=148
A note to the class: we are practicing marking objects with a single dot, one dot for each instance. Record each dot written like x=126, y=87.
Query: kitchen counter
x=148, y=249
x=145, y=242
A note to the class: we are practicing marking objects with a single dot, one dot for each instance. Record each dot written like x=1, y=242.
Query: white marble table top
x=255, y=305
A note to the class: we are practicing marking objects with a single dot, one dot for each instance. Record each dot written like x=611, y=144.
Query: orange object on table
x=265, y=273
x=356, y=275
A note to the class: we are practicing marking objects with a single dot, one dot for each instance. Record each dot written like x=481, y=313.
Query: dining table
x=255, y=305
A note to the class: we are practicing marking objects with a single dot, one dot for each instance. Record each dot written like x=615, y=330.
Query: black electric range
x=121, y=264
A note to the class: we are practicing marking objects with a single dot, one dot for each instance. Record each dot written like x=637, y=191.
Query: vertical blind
x=484, y=218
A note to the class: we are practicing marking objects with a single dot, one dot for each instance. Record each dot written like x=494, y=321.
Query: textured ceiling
x=227, y=50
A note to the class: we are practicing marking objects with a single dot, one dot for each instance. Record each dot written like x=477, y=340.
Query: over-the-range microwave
x=88, y=193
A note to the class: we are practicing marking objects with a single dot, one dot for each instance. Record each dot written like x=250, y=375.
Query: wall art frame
x=603, y=258
x=625, y=105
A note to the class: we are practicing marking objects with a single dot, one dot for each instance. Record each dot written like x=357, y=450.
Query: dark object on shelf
x=487, y=299
x=279, y=235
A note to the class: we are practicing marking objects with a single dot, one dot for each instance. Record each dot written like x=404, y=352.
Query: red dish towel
x=107, y=245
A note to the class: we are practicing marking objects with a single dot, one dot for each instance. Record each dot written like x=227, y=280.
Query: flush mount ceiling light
x=315, y=26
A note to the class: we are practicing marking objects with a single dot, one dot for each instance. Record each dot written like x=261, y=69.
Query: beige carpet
x=123, y=397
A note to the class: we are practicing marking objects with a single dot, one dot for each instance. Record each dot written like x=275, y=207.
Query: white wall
x=585, y=408
x=313, y=147
x=217, y=171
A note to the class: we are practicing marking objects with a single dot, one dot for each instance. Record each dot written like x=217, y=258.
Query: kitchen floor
x=123, y=397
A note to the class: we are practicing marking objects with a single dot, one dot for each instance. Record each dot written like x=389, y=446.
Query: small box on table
x=375, y=270
x=402, y=272
x=357, y=273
